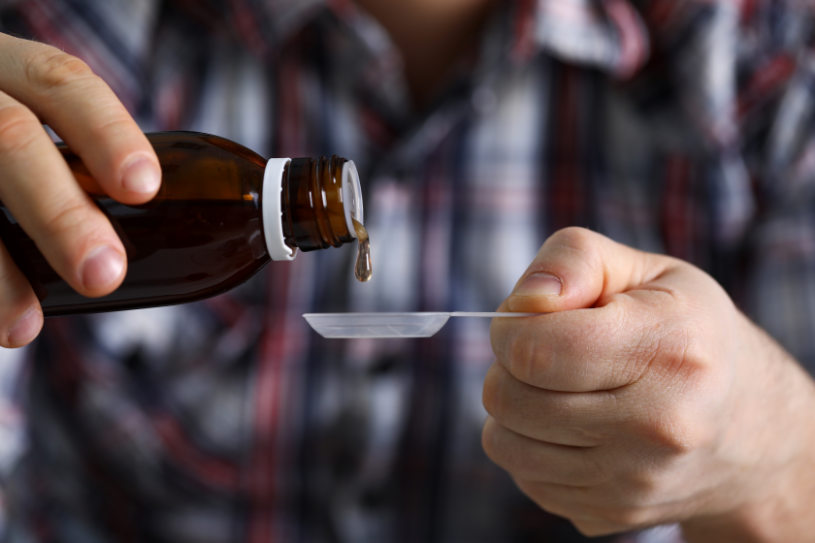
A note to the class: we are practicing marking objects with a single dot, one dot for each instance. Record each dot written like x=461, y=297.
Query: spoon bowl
x=390, y=325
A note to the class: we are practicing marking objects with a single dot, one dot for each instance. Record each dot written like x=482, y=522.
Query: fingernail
x=539, y=284
x=26, y=328
x=142, y=176
x=102, y=266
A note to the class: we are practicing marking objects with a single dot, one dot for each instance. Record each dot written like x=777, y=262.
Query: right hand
x=41, y=84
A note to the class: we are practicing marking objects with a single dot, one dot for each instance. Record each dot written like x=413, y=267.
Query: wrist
x=777, y=519
x=777, y=489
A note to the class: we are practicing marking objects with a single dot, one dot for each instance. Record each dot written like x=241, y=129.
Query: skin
x=433, y=37
x=41, y=84
x=642, y=396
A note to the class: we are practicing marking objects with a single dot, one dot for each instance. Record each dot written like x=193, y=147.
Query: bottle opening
x=351, y=194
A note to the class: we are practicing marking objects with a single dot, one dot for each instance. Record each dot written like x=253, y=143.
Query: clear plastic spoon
x=385, y=325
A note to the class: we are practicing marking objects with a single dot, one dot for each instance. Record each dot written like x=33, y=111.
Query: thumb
x=578, y=268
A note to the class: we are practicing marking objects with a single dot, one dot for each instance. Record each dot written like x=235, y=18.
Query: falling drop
x=362, y=268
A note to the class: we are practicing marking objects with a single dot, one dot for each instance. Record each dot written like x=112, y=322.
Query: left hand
x=644, y=396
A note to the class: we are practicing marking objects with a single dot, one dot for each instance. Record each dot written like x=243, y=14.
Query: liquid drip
x=362, y=268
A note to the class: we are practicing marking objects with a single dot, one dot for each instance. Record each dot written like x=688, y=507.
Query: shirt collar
x=614, y=36
x=620, y=37
x=608, y=34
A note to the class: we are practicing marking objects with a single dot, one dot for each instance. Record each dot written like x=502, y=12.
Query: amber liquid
x=201, y=235
x=363, y=268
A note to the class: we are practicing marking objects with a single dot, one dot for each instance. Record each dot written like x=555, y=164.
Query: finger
x=80, y=107
x=578, y=268
x=539, y=461
x=586, y=350
x=605, y=305
x=572, y=503
x=38, y=188
x=563, y=418
x=20, y=314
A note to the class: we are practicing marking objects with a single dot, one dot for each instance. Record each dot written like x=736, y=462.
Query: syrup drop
x=362, y=268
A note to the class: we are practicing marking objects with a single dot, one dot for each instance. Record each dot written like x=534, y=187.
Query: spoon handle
x=491, y=314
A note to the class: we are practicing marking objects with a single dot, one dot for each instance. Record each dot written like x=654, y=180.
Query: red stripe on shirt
x=676, y=213
x=189, y=457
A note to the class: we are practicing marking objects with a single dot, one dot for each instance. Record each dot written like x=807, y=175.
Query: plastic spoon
x=384, y=325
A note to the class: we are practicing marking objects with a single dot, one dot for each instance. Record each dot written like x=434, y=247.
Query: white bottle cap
x=272, y=211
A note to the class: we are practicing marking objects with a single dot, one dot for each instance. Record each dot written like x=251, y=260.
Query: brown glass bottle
x=221, y=214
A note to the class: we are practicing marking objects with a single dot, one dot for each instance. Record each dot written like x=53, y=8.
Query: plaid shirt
x=680, y=127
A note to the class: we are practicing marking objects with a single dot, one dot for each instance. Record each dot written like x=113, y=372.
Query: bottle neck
x=309, y=204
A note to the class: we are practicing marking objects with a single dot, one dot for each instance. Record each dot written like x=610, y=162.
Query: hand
x=40, y=84
x=643, y=396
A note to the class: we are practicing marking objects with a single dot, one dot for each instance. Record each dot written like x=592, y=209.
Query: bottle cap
x=273, y=211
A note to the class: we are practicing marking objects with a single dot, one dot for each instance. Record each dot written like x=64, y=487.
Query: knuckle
x=115, y=122
x=488, y=441
x=671, y=430
x=593, y=470
x=578, y=245
x=69, y=216
x=680, y=360
x=668, y=434
x=642, y=486
x=16, y=293
x=8, y=276
x=526, y=361
x=16, y=299
x=498, y=394
x=50, y=68
x=19, y=127
x=491, y=442
x=491, y=393
x=574, y=239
